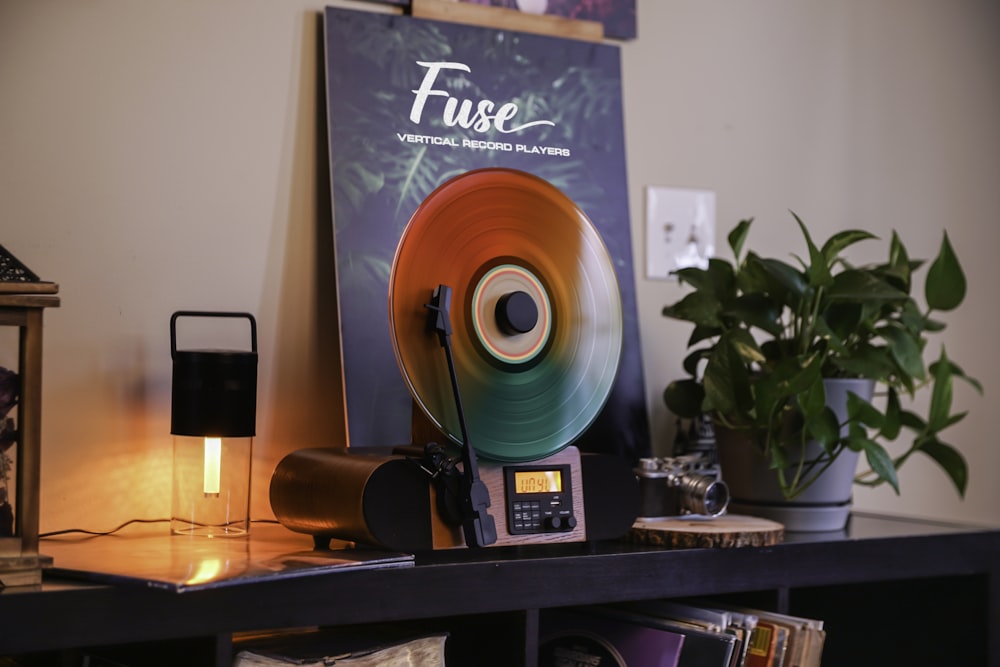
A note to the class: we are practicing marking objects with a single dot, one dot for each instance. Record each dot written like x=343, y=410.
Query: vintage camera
x=690, y=482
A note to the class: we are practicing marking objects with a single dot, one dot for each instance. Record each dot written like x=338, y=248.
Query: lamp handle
x=201, y=313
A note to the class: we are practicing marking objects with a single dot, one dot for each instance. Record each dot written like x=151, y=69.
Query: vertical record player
x=506, y=321
x=485, y=291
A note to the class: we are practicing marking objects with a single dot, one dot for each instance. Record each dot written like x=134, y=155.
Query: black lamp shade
x=213, y=392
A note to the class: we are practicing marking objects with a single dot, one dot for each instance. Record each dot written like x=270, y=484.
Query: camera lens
x=704, y=495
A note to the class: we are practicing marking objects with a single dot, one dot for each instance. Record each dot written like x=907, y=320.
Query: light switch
x=680, y=230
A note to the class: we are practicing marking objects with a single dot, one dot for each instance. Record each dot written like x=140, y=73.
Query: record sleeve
x=701, y=647
x=806, y=636
x=582, y=637
x=147, y=559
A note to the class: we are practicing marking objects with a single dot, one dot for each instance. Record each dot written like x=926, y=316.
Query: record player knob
x=516, y=313
x=560, y=523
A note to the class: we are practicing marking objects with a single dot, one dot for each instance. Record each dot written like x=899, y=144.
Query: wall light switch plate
x=680, y=230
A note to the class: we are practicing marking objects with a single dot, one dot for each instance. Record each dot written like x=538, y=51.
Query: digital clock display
x=538, y=481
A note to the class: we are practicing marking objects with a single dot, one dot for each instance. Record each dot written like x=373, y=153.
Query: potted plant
x=773, y=340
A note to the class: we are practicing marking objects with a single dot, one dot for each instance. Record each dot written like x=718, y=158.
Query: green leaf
x=718, y=278
x=785, y=276
x=861, y=411
x=957, y=372
x=941, y=395
x=818, y=271
x=702, y=332
x=797, y=374
x=905, y=350
x=812, y=401
x=834, y=342
x=700, y=308
x=955, y=418
x=692, y=360
x=917, y=322
x=862, y=286
x=866, y=361
x=777, y=278
x=819, y=422
x=744, y=345
x=950, y=460
x=892, y=423
x=912, y=421
x=694, y=276
x=931, y=326
x=842, y=319
x=756, y=310
x=770, y=398
x=842, y=240
x=945, y=286
x=897, y=251
x=823, y=428
x=778, y=349
x=738, y=235
x=684, y=398
x=726, y=380
x=899, y=269
x=880, y=462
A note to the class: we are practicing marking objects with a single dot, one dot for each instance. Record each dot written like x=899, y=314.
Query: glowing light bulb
x=213, y=465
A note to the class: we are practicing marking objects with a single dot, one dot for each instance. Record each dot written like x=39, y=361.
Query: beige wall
x=878, y=115
x=162, y=155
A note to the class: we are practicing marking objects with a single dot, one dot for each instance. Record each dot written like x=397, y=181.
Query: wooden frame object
x=22, y=305
x=507, y=19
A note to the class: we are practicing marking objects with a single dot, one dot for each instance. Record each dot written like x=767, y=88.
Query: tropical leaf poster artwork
x=384, y=165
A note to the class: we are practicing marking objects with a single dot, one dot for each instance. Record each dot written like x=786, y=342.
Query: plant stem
x=799, y=486
x=809, y=323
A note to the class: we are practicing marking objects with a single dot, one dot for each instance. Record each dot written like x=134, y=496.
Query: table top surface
x=150, y=556
x=150, y=585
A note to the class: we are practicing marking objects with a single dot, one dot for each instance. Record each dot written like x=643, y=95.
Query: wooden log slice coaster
x=724, y=532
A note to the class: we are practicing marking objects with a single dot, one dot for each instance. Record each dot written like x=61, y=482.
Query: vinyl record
x=579, y=648
x=536, y=314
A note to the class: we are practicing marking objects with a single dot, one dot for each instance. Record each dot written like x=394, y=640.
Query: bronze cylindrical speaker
x=372, y=499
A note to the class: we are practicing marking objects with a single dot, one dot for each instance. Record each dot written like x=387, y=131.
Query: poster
x=412, y=103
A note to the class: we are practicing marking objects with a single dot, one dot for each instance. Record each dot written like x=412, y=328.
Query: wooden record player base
x=727, y=531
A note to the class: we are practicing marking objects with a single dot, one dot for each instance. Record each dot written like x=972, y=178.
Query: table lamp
x=212, y=418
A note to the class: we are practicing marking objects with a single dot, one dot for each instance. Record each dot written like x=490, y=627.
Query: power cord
x=96, y=533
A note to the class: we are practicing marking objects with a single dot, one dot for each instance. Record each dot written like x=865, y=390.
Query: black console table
x=891, y=591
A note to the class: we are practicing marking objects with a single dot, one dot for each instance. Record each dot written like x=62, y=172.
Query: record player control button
x=516, y=313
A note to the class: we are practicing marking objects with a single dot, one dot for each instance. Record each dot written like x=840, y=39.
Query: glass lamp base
x=178, y=527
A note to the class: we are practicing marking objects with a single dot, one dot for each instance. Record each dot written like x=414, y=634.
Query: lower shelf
x=883, y=578
x=936, y=620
